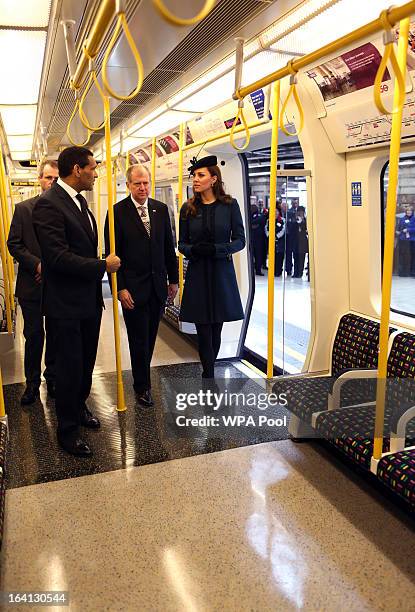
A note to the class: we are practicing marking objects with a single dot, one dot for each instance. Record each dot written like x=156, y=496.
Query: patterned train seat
x=397, y=472
x=351, y=429
x=355, y=347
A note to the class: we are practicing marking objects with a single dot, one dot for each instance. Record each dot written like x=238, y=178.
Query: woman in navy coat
x=210, y=231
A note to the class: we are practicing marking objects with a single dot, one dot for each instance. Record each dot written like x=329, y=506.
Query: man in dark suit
x=144, y=242
x=24, y=247
x=72, y=290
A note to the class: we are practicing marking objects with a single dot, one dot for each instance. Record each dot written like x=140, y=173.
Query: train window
x=292, y=310
x=403, y=280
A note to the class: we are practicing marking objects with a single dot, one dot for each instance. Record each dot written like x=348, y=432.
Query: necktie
x=84, y=209
x=143, y=214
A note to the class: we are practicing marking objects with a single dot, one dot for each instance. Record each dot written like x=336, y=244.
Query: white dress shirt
x=73, y=193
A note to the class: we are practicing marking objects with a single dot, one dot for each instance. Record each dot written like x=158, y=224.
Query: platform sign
x=357, y=194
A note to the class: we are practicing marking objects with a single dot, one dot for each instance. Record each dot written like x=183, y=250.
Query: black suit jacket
x=145, y=261
x=71, y=271
x=24, y=247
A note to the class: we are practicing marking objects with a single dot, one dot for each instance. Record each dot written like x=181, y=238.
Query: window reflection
x=403, y=281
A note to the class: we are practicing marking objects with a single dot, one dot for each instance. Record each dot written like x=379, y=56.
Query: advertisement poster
x=258, y=100
x=349, y=72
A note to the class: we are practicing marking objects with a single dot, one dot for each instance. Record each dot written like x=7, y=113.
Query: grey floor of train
x=197, y=522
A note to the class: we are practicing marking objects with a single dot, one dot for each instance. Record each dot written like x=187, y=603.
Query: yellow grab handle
x=292, y=92
x=82, y=116
x=122, y=23
x=68, y=129
x=180, y=21
x=389, y=55
x=240, y=115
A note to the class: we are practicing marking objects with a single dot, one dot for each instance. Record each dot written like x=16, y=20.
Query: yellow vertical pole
x=6, y=225
x=11, y=196
x=2, y=405
x=271, y=223
x=120, y=387
x=115, y=179
x=99, y=216
x=3, y=256
x=389, y=244
x=153, y=168
x=180, y=202
x=127, y=165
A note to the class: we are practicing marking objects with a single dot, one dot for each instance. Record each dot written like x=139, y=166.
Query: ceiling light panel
x=335, y=22
x=24, y=52
x=20, y=143
x=163, y=124
x=19, y=155
x=18, y=119
x=214, y=94
x=25, y=13
x=261, y=65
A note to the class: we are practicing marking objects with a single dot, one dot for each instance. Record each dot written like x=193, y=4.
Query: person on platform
x=72, y=290
x=210, y=232
x=149, y=273
x=24, y=247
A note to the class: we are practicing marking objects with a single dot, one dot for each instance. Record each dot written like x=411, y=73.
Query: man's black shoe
x=30, y=395
x=77, y=447
x=145, y=398
x=88, y=419
x=50, y=384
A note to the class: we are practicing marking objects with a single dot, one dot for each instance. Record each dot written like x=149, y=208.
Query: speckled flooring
x=263, y=528
x=137, y=436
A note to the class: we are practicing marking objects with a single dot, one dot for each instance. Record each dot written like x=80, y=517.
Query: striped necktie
x=143, y=214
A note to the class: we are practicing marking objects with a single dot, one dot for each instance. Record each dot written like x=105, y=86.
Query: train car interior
x=286, y=481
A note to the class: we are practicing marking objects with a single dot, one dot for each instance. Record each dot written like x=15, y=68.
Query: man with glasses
x=24, y=247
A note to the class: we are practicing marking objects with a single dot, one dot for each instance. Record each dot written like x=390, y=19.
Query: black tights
x=208, y=335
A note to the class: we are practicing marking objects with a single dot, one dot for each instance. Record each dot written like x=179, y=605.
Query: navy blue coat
x=211, y=292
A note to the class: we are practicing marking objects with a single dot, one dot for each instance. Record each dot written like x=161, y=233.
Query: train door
x=292, y=303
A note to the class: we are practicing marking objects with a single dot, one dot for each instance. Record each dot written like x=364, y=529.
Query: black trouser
x=404, y=257
x=76, y=351
x=279, y=260
x=142, y=324
x=258, y=253
x=208, y=336
x=289, y=254
x=299, y=259
x=34, y=335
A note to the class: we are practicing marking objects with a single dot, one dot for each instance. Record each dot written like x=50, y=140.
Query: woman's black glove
x=203, y=249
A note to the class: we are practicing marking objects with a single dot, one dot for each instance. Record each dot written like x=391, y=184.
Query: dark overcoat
x=24, y=247
x=211, y=292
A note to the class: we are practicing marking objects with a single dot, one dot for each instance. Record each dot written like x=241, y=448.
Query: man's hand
x=113, y=263
x=38, y=273
x=126, y=300
x=171, y=292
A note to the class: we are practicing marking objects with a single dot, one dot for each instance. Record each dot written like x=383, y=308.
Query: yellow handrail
x=389, y=56
x=99, y=217
x=68, y=129
x=389, y=243
x=4, y=258
x=271, y=235
x=180, y=203
x=240, y=115
x=6, y=227
x=120, y=387
x=82, y=116
x=122, y=22
x=373, y=27
x=153, y=168
x=292, y=92
x=182, y=21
